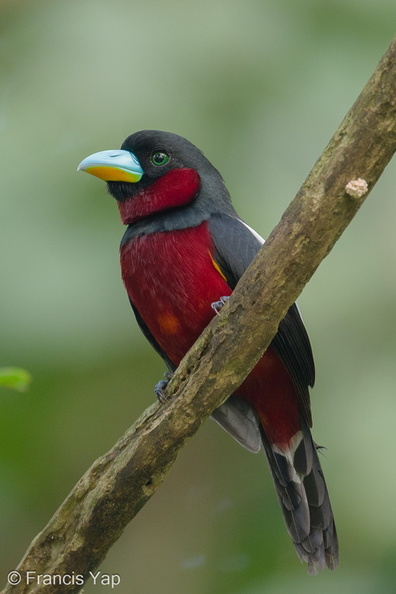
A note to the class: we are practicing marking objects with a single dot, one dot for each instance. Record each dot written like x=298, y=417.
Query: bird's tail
x=304, y=499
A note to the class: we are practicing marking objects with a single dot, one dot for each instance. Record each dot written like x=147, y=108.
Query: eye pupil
x=160, y=158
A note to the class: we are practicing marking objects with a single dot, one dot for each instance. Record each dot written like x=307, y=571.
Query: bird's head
x=156, y=172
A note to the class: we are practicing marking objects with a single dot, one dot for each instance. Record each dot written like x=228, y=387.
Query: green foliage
x=15, y=378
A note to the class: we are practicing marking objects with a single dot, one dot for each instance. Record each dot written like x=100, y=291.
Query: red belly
x=172, y=280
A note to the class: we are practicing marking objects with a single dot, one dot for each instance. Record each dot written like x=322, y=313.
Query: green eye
x=160, y=158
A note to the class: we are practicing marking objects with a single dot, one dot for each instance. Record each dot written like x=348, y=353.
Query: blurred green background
x=260, y=86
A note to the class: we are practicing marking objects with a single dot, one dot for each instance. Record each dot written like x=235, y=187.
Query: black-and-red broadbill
x=184, y=249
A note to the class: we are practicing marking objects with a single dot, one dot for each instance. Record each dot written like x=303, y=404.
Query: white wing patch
x=253, y=232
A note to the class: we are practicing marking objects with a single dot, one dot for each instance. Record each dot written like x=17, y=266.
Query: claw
x=218, y=305
x=160, y=387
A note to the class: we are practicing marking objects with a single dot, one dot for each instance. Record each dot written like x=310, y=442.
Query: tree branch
x=119, y=483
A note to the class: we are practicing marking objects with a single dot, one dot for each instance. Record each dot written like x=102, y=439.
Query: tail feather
x=304, y=500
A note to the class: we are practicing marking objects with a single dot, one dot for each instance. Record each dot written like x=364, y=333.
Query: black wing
x=236, y=245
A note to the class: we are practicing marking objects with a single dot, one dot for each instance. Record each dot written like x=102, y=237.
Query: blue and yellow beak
x=117, y=165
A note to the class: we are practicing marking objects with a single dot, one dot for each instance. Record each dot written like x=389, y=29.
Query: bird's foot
x=160, y=387
x=218, y=305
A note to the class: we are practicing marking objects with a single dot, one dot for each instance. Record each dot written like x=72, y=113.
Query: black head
x=160, y=174
x=159, y=152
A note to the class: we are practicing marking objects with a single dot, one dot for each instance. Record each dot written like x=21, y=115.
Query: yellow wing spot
x=169, y=323
x=217, y=267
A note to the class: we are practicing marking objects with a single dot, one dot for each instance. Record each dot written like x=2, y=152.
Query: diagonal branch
x=118, y=484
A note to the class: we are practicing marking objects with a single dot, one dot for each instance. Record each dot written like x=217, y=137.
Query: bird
x=182, y=254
